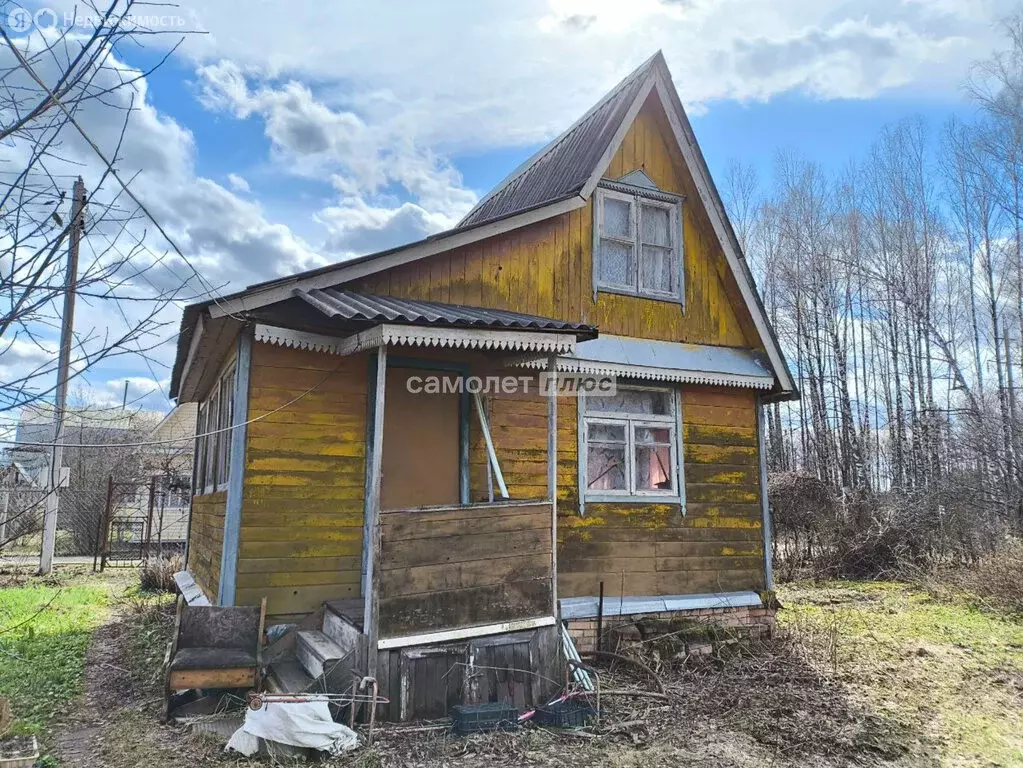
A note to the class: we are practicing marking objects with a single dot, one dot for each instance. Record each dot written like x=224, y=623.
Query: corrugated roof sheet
x=348, y=305
x=562, y=168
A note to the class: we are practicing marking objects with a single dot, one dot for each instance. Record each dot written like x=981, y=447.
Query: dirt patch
x=108, y=690
x=762, y=702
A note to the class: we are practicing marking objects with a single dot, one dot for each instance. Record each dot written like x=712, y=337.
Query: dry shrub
x=157, y=573
x=864, y=535
x=998, y=578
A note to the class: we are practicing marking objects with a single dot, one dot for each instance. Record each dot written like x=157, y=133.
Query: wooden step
x=288, y=676
x=350, y=609
x=340, y=628
x=315, y=649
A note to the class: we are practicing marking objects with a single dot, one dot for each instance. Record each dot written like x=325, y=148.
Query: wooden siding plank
x=461, y=549
x=474, y=573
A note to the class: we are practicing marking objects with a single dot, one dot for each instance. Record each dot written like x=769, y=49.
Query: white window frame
x=631, y=421
x=638, y=197
x=212, y=446
x=212, y=458
x=225, y=398
x=201, y=445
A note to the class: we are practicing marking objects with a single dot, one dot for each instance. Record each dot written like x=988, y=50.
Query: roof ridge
x=554, y=143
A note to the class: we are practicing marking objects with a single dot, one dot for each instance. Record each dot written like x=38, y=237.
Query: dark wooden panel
x=413, y=614
x=426, y=524
x=431, y=680
x=475, y=573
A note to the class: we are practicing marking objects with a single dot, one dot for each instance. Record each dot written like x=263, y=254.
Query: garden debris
x=631, y=661
x=305, y=724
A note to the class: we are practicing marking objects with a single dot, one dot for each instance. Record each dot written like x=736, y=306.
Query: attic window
x=637, y=244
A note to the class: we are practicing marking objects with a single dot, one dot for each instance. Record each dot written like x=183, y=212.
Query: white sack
x=299, y=724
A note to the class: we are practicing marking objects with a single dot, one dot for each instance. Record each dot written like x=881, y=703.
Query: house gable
x=533, y=252
x=546, y=268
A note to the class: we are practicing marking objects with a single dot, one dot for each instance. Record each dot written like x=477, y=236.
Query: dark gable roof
x=337, y=303
x=562, y=168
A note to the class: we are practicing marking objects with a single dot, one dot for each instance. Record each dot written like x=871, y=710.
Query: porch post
x=371, y=510
x=552, y=469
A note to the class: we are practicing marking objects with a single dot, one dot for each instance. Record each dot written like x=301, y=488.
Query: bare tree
x=896, y=287
x=53, y=84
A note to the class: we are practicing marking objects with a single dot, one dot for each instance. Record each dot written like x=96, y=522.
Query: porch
x=452, y=547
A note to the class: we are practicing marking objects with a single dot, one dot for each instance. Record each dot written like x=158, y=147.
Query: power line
x=23, y=62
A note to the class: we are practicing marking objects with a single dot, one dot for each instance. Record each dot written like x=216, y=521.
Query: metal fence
x=116, y=522
x=144, y=519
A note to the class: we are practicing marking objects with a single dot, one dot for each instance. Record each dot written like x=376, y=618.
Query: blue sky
x=295, y=134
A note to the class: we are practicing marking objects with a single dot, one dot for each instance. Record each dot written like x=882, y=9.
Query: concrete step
x=288, y=676
x=316, y=650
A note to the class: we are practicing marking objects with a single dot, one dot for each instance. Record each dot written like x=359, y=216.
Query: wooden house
x=422, y=443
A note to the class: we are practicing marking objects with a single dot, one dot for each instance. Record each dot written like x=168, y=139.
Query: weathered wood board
x=301, y=532
x=443, y=569
x=206, y=540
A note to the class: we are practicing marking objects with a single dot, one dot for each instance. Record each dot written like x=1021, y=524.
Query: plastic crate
x=571, y=713
x=19, y=752
x=477, y=718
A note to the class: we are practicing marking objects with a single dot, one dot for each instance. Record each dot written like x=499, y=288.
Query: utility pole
x=63, y=366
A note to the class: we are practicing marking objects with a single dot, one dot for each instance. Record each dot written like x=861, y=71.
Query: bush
x=998, y=578
x=157, y=573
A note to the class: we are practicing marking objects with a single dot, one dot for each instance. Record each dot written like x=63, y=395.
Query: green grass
x=943, y=668
x=42, y=661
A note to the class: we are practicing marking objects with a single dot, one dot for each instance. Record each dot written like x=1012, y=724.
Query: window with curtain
x=637, y=248
x=631, y=444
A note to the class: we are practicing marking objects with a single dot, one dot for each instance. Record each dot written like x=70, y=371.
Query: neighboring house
x=168, y=464
x=354, y=479
x=99, y=442
x=17, y=491
x=90, y=425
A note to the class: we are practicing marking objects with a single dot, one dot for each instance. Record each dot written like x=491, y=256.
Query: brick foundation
x=733, y=621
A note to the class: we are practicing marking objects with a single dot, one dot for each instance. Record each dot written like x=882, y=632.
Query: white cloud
x=366, y=163
x=357, y=227
x=464, y=76
x=238, y=183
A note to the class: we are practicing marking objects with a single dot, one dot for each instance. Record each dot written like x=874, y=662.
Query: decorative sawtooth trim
x=711, y=378
x=643, y=191
x=416, y=336
x=286, y=337
x=465, y=338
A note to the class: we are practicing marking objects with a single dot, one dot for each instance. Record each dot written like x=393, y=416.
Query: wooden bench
x=215, y=647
